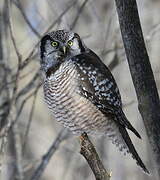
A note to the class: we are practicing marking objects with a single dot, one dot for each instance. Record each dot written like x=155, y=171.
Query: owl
x=81, y=92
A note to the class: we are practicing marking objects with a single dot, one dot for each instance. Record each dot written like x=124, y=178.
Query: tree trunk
x=141, y=72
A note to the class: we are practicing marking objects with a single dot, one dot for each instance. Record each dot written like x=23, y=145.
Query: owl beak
x=64, y=49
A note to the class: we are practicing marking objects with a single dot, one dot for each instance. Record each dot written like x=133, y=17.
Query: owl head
x=59, y=46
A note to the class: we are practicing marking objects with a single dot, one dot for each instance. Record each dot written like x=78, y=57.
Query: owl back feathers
x=82, y=93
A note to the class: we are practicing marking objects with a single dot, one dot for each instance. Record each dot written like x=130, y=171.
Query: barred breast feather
x=62, y=94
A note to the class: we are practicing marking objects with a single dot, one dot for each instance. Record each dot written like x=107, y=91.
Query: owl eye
x=54, y=43
x=70, y=43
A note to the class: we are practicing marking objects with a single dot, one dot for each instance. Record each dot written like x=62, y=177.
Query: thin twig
x=11, y=32
x=20, y=7
x=30, y=120
x=24, y=102
x=45, y=159
x=18, y=152
x=19, y=56
x=1, y=49
x=78, y=14
x=33, y=83
x=92, y=158
x=5, y=85
x=114, y=62
x=107, y=35
x=9, y=126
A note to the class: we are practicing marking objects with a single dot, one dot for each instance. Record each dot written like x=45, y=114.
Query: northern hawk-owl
x=81, y=91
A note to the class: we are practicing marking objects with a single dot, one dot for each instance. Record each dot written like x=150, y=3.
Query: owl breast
x=74, y=111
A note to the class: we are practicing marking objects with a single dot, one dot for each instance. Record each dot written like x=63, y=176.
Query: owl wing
x=97, y=84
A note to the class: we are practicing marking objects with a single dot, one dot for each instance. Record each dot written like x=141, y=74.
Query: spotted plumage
x=81, y=91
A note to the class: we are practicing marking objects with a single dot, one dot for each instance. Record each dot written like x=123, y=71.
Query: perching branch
x=91, y=156
x=141, y=71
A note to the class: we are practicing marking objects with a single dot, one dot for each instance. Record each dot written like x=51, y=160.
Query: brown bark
x=91, y=156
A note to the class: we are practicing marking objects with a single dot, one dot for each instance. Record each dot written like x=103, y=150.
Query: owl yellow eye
x=70, y=43
x=54, y=43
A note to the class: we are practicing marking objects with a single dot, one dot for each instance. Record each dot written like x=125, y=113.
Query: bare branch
x=5, y=84
x=17, y=52
x=33, y=83
x=18, y=152
x=19, y=6
x=30, y=119
x=91, y=156
x=71, y=4
x=114, y=62
x=108, y=29
x=78, y=14
x=46, y=158
x=23, y=103
x=10, y=124
x=1, y=49
x=11, y=32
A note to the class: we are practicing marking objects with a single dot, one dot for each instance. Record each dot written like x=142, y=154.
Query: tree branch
x=91, y=156
x=46, y=158
x=141, y=71
x=78, y=14
x=20, y=7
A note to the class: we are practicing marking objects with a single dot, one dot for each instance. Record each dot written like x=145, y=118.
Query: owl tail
x=124, y=121
x=131, y=148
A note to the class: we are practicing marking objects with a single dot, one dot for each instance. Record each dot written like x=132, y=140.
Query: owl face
x=59, y=46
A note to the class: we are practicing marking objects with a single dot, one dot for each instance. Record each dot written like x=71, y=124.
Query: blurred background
x=22, y=24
